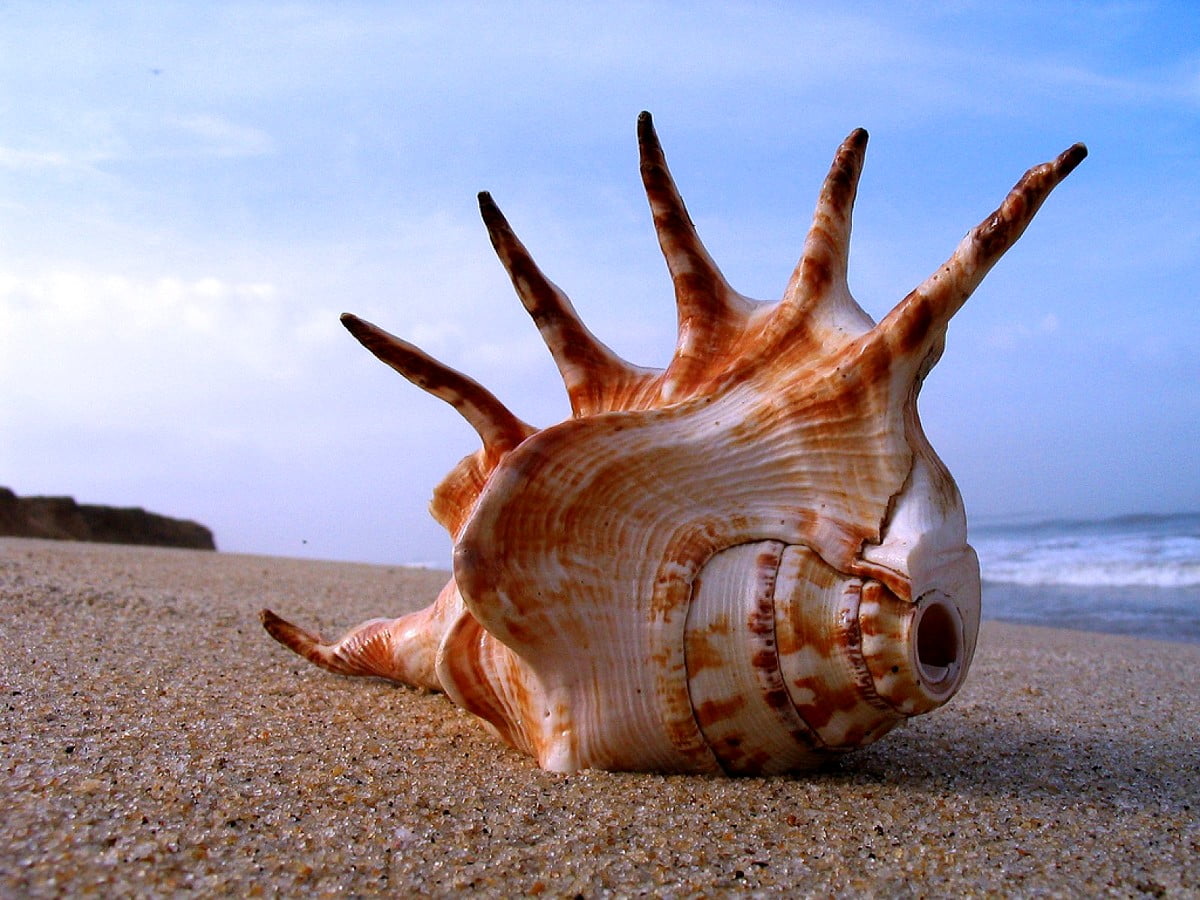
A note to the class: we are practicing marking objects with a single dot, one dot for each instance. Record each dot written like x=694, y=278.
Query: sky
x=191, y=194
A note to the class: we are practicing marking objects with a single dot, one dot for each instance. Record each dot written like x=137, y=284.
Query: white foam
x=1162, y=553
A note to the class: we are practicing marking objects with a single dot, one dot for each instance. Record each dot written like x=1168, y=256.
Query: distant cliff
x=61, y=518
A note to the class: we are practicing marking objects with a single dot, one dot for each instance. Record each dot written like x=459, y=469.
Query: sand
x=155, y=741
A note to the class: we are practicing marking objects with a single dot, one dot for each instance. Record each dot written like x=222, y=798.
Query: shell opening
x=939, y=646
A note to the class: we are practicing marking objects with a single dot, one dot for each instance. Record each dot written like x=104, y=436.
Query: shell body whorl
x=747, y=562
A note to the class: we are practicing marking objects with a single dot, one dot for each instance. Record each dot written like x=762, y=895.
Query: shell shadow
x=1109, y=768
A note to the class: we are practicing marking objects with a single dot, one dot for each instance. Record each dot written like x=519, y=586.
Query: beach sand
x=155, y=740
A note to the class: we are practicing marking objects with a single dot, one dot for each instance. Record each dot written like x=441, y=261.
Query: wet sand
x=155, y=740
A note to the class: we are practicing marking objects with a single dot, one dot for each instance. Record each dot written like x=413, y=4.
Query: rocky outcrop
x=61, y=518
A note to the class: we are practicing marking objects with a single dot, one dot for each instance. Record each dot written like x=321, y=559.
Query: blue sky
x=189, y=195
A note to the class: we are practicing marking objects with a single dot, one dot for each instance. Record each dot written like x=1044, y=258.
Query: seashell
x=748, y=562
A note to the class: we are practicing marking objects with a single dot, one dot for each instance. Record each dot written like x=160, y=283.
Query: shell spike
x=497, y=427
x=360, y=652
x=711, y=313
x=916, y=327
x=397, y=649
x=823, y=264
x=587, y=366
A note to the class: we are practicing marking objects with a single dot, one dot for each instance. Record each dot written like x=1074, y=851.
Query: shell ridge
x=738, y=692
x=817, y=613
x=473, y=668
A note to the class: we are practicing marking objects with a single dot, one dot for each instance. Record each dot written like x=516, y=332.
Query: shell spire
x=747, y=563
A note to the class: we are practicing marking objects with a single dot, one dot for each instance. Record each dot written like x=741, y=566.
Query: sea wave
x=1100, y=574
x=1132, y=551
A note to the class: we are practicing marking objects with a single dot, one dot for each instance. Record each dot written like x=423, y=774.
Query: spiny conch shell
x=747, y=562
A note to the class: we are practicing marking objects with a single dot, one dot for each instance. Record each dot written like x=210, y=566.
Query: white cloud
x=83, y=343
x=11, y=158
x=217, y=136
x=1010, y=335
x=86, y=144
x=1169, y=85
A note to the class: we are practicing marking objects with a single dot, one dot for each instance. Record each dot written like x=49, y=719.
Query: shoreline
x=1153, y=613
x=156, y=739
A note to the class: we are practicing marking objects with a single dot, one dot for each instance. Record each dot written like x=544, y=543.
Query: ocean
x=1136, y=575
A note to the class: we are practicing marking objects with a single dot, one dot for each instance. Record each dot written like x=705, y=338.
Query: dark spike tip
x=362, y=330
x=291, y=636
x=647, y=136
x=492, y=217
x=370, y=336
x=1071, y=157
x=852, y=152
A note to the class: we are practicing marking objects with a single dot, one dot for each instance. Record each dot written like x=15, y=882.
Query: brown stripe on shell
x=816, y=621
x=737, y=692
x=596, y=378
x=498, y=428
x=483, y=677
x=711, y=315
x=918, y=322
